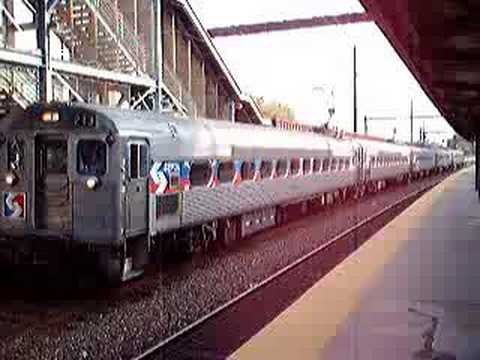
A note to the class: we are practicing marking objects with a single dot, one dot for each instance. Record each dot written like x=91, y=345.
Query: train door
x=53, y=209
x=137, y=187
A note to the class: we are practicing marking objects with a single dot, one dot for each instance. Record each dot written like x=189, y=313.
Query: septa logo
x=14, y=205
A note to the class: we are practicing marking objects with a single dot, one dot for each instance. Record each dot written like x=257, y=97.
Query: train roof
x=379, y=148
x=187, y=138
x=172, y=137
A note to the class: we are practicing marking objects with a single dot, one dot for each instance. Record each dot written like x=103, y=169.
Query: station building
x=109, y=52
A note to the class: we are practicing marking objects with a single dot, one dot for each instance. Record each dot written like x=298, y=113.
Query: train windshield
x=92, y=157
x=56, y=157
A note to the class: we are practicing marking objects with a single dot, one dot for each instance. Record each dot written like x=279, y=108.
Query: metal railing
x=21, y=85
x=123, y=32
x=117, y=29
x=179, y=91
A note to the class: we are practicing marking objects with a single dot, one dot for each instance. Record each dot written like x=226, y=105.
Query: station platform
x=411, y=292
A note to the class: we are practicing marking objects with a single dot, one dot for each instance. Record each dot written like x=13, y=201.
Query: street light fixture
x=331, y=106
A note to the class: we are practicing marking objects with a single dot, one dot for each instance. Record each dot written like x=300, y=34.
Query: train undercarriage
x=117, y=264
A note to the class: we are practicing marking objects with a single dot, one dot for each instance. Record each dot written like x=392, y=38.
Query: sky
x=286, y=66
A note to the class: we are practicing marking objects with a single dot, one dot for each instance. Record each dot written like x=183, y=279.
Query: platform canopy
x=439, y=40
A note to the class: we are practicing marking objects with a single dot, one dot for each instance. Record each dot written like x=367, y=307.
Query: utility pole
x=366, y=119
x=411, y=121
x=43, y=43
x=355, y=89
x=158, y=51
x=424, y=138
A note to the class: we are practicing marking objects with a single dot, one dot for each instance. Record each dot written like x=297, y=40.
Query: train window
x=317, y=163
x=294, y=166
x=226, y=172
x=305, y=164
x=282, y=167
x=133, y=161
x=143, y=161
x=139, y=162
x=200, y=173
x=266, y=169
x=91, y=157
x=347, y=164
x=325, y=165
x=248, y=170
x=333, y=164
x=55, y=156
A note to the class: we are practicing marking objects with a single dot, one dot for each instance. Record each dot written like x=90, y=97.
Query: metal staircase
x=98, y=34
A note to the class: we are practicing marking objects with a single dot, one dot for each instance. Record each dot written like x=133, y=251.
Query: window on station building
x=317, y=165
x=200, y=173
x=341, y=162
x=347, y=164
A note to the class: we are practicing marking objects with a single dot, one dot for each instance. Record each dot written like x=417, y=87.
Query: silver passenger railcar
x=115, y=185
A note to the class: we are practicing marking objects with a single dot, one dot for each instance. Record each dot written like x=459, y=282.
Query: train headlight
x=92, y=183
x=10, y=179
x=50, y=116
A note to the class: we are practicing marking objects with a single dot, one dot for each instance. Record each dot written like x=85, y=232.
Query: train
x=114, y=186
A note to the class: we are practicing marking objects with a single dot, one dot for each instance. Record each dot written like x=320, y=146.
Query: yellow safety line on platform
x=304, y=330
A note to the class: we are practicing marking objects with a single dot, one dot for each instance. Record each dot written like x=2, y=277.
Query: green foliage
x=271, y=109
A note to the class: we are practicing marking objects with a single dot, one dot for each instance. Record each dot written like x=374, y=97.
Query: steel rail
x=158, y=347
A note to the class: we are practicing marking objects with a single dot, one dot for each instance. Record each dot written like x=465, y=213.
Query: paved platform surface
x=418, y=277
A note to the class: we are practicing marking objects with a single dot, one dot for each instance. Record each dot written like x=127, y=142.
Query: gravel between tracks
x=120, y=323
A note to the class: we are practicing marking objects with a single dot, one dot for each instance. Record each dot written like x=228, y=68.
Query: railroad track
x=220, y=332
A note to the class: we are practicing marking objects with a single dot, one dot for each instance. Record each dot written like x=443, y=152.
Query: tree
x=457, y=142
x=271, y=109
